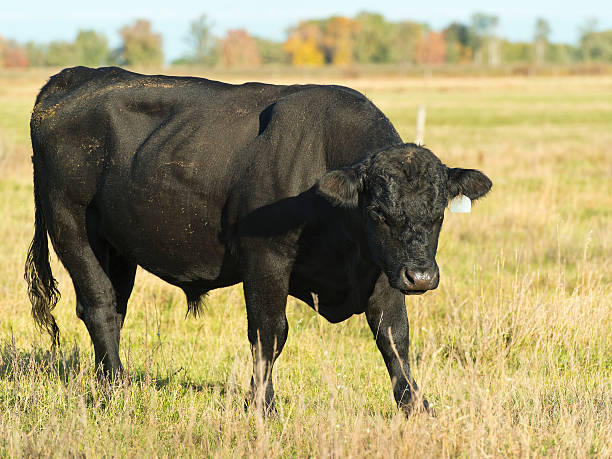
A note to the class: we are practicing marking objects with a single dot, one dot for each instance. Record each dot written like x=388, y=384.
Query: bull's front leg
x=265, y=292
x=386, y=315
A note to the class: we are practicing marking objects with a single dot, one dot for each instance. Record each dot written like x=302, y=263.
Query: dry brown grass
x=514, y=349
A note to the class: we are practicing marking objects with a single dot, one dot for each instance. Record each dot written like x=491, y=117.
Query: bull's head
x=402, y=193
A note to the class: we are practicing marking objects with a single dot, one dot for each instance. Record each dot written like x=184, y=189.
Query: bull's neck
x=335, y=257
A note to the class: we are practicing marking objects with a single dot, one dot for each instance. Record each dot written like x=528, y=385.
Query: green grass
x=514, y=349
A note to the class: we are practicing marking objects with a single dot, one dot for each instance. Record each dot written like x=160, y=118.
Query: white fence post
x=420, y=125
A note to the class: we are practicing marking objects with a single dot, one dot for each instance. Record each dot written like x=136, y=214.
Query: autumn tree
x=430, y=48
x=2, y=51
x=339, y=40
x=239, y=49
x=304, y=45
x=141, y=46
x=15, y=56
x=12, y=55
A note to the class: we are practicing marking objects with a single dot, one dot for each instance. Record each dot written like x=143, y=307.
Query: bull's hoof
x=417, y=405
x=112, y=377
x=265, y=409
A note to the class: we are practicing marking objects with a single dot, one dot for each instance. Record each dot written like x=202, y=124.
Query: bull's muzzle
x=414, y=282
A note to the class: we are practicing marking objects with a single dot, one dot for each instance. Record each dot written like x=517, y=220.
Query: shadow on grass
x=162, y=382
x=15, y=363
x=67, y=364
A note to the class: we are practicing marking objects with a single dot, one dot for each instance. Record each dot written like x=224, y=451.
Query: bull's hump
x=76, y=86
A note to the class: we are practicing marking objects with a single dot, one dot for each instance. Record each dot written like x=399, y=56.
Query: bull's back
x=87, y=121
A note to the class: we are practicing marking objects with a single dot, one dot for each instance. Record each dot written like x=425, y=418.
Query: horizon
x=48, y=22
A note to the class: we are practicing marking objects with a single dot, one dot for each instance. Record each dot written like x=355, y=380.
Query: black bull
x=293, y=190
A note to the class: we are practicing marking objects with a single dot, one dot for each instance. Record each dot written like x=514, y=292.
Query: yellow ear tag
x=461, y=204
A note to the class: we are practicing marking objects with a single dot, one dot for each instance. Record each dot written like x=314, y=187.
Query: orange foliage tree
x=12, y=55
x=339, y=39
x=239, y=49
x=141, y=46
x=2, y=51
x=430, y=48
x=303, y=45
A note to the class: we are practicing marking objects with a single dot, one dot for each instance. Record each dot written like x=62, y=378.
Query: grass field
x=513, y=350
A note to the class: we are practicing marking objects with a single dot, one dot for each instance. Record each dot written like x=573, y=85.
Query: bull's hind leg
x=121, y=273
x=97, y=299
x=119, y=270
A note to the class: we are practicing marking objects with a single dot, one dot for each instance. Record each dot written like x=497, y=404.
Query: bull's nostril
x=408, y=277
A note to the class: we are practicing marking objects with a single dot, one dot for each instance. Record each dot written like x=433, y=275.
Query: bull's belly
x=177, y=240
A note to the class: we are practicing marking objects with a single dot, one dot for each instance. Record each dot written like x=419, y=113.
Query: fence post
x=420, y=125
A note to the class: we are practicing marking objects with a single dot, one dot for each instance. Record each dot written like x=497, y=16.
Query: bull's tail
x=42, y=287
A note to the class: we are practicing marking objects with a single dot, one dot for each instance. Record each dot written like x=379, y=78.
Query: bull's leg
x=386, y=315
x=119, y=270
x=96, y=297
x=265, y=292
x=121, y=273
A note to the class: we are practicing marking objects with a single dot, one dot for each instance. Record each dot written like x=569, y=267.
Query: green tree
x=457, y=37
x=373, y=38
x=141, y=46
x=37, y=54
x=562, y=53
x=271, y=51
x=91, y=47
x=483, y=37
x=594, y=45
x=588, y=27
x=540, y=39
x=516, y=52
x=205, y=48
x=404, y=38
x=597, y=46
x=61, y=53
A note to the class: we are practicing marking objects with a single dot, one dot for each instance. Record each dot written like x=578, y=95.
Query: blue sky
x=45, y=20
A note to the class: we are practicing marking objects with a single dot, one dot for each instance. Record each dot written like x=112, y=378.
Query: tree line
x=367, y=38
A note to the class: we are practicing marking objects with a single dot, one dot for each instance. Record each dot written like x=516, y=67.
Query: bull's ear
x=341, y=187
x=469, y=182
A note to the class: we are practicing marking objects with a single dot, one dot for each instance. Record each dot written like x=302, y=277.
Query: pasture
x=513, y=350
